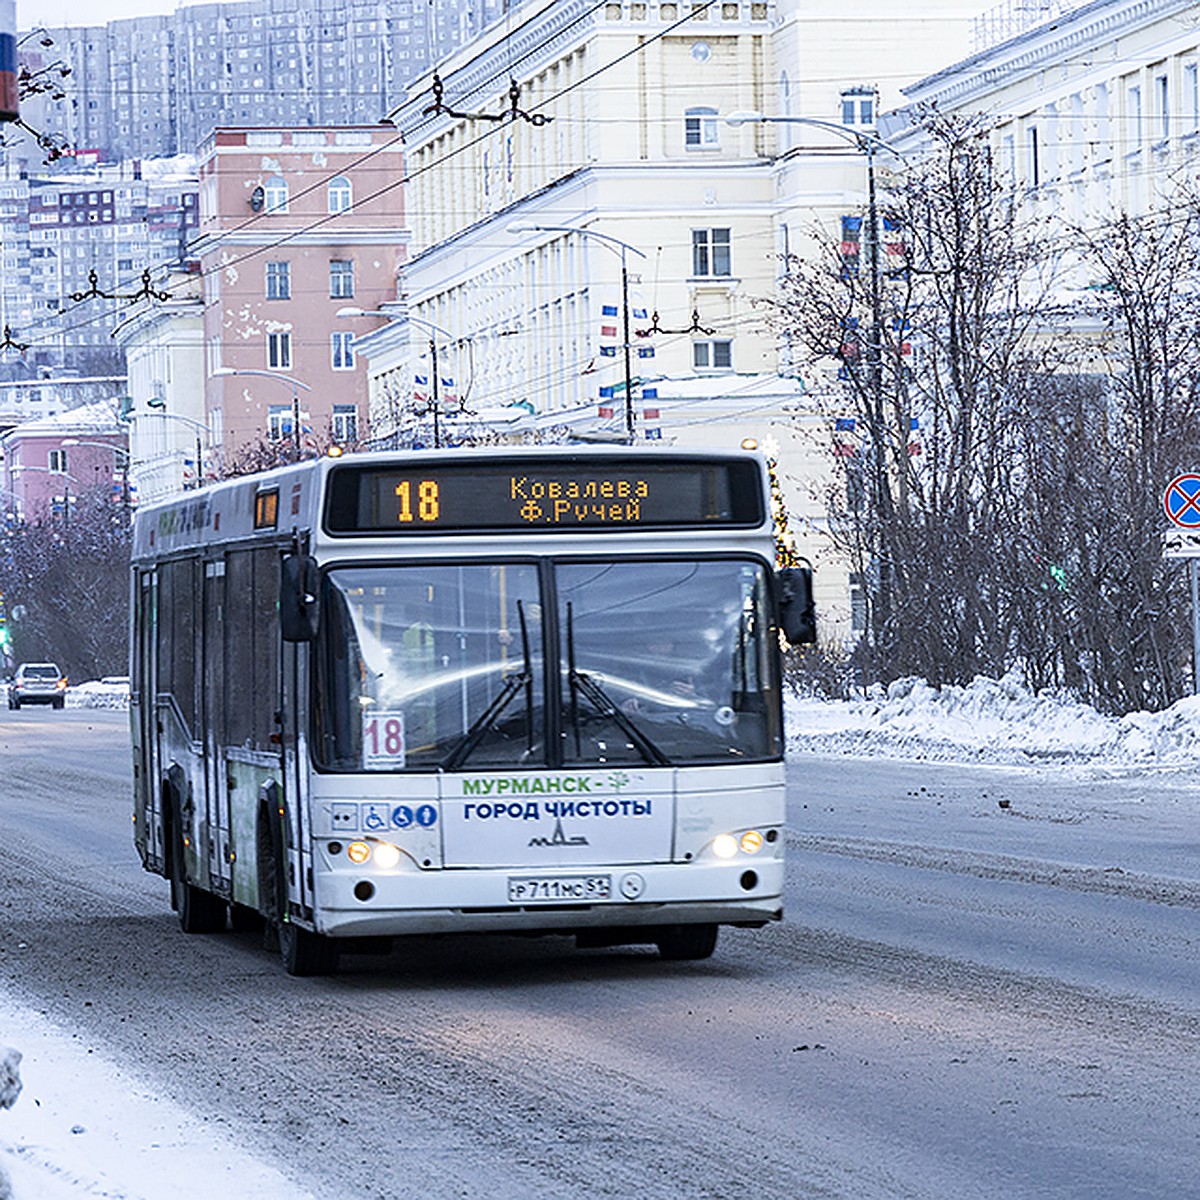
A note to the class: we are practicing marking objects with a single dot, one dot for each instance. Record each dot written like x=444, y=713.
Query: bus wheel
x=306, y=953
x=199, y=911
x=678, y=942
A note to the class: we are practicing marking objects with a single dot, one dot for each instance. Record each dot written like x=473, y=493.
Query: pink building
x=51, y=465
x=295, y=225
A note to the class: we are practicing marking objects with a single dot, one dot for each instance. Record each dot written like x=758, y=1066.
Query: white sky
x=56, y=13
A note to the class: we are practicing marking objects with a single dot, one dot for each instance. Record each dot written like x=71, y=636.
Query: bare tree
x=929, y=341
x=1001, y=488
x=69, y=581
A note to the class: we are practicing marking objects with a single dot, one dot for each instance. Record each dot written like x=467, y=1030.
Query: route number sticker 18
x=383, y=740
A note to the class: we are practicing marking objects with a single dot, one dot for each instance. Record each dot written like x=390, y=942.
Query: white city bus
x=448, y=691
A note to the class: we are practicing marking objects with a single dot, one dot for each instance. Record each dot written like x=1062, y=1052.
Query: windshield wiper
x=478, y=730
x=580, y=681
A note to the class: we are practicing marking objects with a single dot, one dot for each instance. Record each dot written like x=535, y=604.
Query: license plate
x=558, y=889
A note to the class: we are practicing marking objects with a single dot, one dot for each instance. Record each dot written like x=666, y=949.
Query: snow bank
x=991, y=721
x=99, y=693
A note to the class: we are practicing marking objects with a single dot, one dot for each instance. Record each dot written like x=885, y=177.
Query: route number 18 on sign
x=428, y=508
x=383, y=740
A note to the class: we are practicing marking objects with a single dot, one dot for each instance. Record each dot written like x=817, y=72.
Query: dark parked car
x=37, y=683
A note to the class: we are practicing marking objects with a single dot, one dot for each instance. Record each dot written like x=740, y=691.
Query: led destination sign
x=568, y=494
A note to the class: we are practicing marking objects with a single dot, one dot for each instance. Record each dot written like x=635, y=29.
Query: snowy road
x=966, y=1000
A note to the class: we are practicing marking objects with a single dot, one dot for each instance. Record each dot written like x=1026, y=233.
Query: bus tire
x=199, y=910
x=679, y=942
x=304, y=952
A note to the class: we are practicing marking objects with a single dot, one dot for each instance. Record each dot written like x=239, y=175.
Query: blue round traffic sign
x=1182, y=501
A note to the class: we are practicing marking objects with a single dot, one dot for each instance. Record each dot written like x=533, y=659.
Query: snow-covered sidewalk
x=82, y=1126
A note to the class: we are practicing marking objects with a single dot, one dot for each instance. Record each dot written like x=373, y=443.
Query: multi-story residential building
x=614, y=190
x=76, y=247
x=298, y=225
x=157, y=86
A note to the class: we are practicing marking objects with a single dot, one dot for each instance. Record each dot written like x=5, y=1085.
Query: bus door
x=293, y=704
x=144, y=700
x=216, y=785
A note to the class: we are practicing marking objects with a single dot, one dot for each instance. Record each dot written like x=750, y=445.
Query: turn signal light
x=358, y=852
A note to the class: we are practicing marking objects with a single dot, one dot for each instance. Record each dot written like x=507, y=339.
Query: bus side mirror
x=797, y=614
x=299, y=598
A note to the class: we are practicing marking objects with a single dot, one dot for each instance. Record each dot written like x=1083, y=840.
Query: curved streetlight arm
x=68, y=442
x=20, y=469
x=867, y=142
x=617, y=246
x=227, y=371
x=166, y=416
x=533, y=227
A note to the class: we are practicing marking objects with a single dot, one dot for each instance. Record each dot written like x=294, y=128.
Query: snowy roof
x=99, y=417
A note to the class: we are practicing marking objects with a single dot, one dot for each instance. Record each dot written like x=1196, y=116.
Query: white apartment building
x=571, y=175
x=1093, y=111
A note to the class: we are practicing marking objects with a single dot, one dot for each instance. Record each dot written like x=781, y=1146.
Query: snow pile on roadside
x=99, y=693
x=992, y=721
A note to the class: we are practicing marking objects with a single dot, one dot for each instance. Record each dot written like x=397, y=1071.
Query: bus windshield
x=665, y=662
x=443, y=666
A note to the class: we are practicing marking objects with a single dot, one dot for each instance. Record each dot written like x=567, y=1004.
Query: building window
x=56, y=460
x=341, y=278
x=710, y=252
x=1135, y=119
x=858, y=106
x=340, y=195
x=1191, y=97
x=343, y=352
x=279, y=422
x=1162, y=98
x=714, y=355
x=275, y=195
x=1035, y=168
x=279, y=281
x=279, y=351
x=345, y=423
x=700, y=129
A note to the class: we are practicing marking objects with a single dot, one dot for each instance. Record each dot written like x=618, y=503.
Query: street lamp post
x=400, y=314
x=296, y=385
x=617, y=246
x=158, y=405
x=867, y=144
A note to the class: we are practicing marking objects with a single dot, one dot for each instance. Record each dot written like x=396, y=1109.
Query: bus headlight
x=358, y=852
x=724, y=845
x=386, y=855
x=752, y=841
